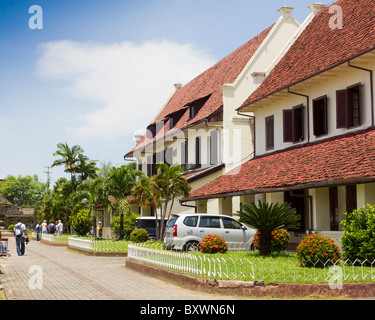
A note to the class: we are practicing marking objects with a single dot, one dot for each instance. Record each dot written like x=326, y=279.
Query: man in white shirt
x=59, y=228
x=44, y=227
x=20, y=235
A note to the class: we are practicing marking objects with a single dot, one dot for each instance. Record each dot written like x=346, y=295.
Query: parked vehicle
x=186, y=231
x=149, y=224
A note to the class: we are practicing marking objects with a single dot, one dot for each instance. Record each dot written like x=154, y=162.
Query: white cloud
x=128, y=83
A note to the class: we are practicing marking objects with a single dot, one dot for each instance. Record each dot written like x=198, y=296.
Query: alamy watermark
x=36, y=20
x=337, y=19
x=36, y=278
x=336, y=278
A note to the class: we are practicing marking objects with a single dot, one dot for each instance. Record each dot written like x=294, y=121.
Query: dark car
x=149, y=224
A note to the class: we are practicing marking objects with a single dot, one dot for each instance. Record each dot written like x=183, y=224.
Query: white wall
x=338, y=79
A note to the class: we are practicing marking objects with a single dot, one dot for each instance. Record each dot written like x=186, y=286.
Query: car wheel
x=192, y=247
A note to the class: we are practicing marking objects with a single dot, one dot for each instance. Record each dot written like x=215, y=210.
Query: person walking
x=21, y=236
x=37, y=230
x=52, y=228
x=44, y=227
x=59, y=228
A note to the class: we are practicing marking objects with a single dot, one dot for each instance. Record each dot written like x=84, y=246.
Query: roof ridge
x=320, y=48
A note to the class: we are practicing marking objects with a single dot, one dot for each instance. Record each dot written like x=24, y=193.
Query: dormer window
x=191, y=112
x=171, y=123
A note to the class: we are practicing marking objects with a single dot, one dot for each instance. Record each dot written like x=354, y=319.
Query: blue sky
x=100, y=70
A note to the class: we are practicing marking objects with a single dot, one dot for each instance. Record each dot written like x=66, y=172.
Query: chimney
x=316, y=7
x=138, y=137
x=177, y=86
x=284, y=11
x=258, y=78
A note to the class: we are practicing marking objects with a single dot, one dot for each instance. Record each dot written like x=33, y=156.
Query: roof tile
x=334, y=161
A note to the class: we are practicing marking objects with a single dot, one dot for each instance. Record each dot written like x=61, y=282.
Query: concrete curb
x=98, y=254
x=255, y=288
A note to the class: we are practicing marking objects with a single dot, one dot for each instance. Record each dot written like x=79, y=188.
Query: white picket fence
x=81, y=244
x=240, y=269
x=190, y=264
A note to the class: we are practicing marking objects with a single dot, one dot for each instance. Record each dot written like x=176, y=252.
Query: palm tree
x=71, y=158
x=267, y=217
x=160, y=191
x=120, y=182
x=173, y=184
x=87, y=169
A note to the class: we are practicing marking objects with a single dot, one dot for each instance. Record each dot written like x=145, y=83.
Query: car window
x=231, y=223
x=209, y=222
x=172, y=221
x=191, y=221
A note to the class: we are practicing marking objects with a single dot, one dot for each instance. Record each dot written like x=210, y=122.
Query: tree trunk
x=265, y=243
x=121, y=225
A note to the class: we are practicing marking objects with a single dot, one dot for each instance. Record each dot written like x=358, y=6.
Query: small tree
x=267, y=217
x=358, y=241
x=128, y=224
x=81, y=222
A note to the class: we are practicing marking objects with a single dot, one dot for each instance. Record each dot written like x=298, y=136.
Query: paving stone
x=55, y=273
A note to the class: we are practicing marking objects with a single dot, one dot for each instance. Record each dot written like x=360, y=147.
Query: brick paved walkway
x=68, y=275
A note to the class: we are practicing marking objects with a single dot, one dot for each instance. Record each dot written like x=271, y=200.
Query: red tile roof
x=335, y=161
x=320, y=48
x=208, y=83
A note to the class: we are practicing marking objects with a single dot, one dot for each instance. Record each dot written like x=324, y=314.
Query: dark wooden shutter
x=168, y=156
x=197, y=152
x=320, y=119
x=154, y=166
x=334, y=211
x=149, y=166
x=214, y=147
x=288, y=125
x=351, y=197
x=298, y=124
x=184, y=154
x=342, y=108
x=270, y=133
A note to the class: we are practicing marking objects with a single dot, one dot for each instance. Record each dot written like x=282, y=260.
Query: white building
x=314, y=132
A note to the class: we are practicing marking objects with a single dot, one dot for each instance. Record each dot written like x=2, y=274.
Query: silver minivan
x=186, y=231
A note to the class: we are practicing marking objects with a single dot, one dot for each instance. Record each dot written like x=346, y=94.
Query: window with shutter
x=320, y=116
x=354, y=106
x=270, y=133
x=288, y=125
x=298, y=124
x=349, y=107
x=294, y=124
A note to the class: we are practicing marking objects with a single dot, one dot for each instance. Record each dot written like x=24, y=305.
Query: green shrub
x=358, y=241
x=129, y=224
x=11, y=227
x=316, y=250
x=280, y=240
x=213, y=244
x=81, y=222
x=139, y=235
